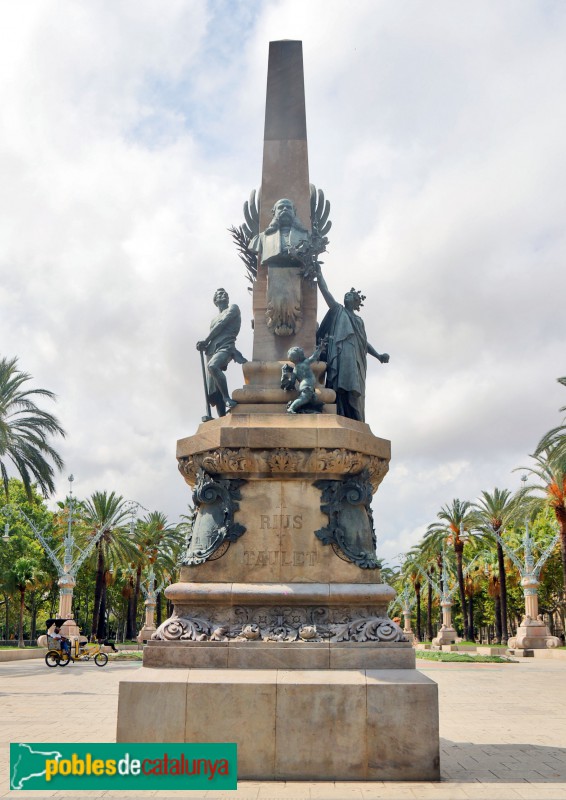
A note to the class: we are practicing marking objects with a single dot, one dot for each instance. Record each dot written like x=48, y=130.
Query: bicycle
x=84, y=651
x=57, y=655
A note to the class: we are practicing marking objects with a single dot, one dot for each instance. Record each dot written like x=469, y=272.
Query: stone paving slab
x=491, y=746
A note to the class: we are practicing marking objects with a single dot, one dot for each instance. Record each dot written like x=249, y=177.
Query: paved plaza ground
x=502, y=728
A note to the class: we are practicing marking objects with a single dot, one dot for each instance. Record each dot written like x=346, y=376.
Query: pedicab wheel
x=64, y=659
x=52, y=658
x=101, y=659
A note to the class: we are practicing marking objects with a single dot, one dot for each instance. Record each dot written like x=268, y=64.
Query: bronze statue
x=346, y=352
x=302, y=372
x=220, y=349
x=279, y=247
x=284, y=233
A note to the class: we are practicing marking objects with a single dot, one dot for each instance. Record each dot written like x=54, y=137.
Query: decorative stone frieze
x=279, y=624
x=281, y=461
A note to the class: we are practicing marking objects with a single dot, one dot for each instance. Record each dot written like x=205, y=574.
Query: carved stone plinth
x=273, y=612
x=446, y=635
x=252, y=446
x=533, y=634
x=292, y=724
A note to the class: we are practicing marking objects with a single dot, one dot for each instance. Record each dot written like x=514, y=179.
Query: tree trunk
x=498, y=627
x=136, y=599
x=158, y=609
x=7, y=631
x=429, y=634
x=502, y=592
x=21, y=631
x=34, y=610
x=561, y=518
x=471, y=631
x=98, y=587
x=418, y=596
x=101, y=629
x=459, y=553
x=131, y=613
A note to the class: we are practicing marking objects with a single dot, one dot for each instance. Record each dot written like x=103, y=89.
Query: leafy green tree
x=25, y=430
x=493, y=512
x=549, y=491
x=454, y=518
x=21, y=577
x=108, y=512
x=412, y=571
x=555, y=439
x=22, y=542
x=158, y=543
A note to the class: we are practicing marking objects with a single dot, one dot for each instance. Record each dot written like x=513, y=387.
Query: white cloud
x=132, y=134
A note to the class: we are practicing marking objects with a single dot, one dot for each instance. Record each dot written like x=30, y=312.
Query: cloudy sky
x=131, y=134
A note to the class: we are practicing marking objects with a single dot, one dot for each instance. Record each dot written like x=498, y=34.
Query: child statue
x=306, y=402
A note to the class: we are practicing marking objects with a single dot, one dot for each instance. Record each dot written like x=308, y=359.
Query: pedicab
x=62, y=650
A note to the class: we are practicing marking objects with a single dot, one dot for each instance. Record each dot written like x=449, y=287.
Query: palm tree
x=24, y=430
x=20, y=578
x=431, y=557
x=454, y=518
x=158, y=543
x=108, y=512
x=493, y=512
x=550, y=470
x=555, y=439
x=413, y=570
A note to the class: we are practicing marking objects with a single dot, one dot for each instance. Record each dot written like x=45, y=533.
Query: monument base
x=533, y=634
x=319, y=725
x=446, y=635
x=145, y=634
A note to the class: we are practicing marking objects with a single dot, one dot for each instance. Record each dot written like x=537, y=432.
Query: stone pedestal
x=66, y=585
x=149, y=627
x=533, y=634
x=446, y=634
x=280, y=640
x=293, y=724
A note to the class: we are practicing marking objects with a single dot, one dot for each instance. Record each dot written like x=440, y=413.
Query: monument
x=280, y=638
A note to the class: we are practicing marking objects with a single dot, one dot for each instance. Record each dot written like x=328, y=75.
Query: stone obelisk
x=285, y=173
x=280, y=638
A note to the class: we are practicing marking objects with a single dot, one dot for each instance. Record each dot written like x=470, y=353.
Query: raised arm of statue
x=330, y=301
x=318, y=350
x=383, y=357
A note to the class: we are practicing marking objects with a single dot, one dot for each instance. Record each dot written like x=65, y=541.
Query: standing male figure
x=346, y=353
x=220, y=349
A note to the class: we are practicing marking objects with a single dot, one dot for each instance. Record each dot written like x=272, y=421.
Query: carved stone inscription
x=274, y=521
x=284, y=558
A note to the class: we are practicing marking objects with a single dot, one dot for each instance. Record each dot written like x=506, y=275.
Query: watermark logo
x=123, y=766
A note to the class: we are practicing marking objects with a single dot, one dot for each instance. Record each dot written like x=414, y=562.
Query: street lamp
x=74, y=556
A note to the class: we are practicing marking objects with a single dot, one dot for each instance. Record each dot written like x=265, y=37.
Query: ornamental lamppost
x=73, y=555
x=406, y=601
x=447, y=633
x=150, y=593
x=532, y=634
